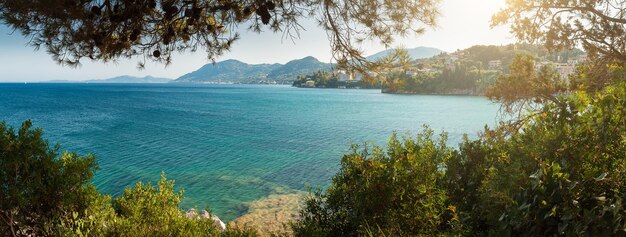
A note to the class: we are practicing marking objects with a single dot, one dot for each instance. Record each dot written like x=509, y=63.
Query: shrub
x=562, y=173
x=393, y=191
x=146, y=210
x=577, y=181
x=43, y=193
x=39, y=185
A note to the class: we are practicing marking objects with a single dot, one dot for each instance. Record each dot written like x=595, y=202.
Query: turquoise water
x=228, y=144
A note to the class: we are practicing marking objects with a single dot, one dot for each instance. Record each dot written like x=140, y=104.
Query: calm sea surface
x=228, y=144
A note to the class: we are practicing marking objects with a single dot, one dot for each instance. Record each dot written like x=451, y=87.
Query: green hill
x=230, y=70
x=295, y=68
x=239, y=72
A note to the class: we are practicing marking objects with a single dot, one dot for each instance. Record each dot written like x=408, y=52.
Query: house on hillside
x=564, y=69
x=412, y=73
x=343, y=75
x=541, y=64
x=494, y=65
x=453, y=58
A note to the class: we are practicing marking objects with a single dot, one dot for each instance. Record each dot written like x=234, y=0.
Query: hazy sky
x=463, y=23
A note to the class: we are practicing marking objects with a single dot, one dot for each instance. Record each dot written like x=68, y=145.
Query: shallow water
x=228, y=144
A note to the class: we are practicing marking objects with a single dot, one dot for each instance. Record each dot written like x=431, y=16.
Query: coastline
x=402, y=92
x=272, y=214
x=465, y=92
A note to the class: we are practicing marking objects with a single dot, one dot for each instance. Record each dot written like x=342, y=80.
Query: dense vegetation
x=44, y=193
x=239, y=72
x=562, y=173
x=464, y=71
x=596, y=25
x=506, y=53
x=557, y=168
x=463, y=77
x=324, y=79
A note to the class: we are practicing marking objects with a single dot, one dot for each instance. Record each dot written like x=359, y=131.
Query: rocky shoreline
x=194, y=214
x=272, y=214
x=467, y=92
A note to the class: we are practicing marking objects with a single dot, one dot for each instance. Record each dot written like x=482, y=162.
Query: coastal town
x=462, y=72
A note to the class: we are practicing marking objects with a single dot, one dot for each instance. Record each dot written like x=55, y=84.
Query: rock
x=205, y=214
x=192, y=213
x=271, y=214
x=219, y=223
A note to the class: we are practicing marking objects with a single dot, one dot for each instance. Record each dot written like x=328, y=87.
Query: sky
x=462, y=23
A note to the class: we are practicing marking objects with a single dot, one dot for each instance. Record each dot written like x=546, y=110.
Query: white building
x=412, y=73
x=564, y=69
x=343, y=75
x=495, y=65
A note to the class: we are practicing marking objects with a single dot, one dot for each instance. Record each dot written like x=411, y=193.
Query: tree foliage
x=597, y=25
x=594, y=75
x=398, y=59
x=460, y=77
x=37, y=183
x=145, y=210
x=526, y=85
x=393, y=191
x=467, y=71
x=104, y=30
x=43, y=193
x=572, y=157
x=563, y=173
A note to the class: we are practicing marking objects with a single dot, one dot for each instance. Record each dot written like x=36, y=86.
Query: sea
x=228, y=145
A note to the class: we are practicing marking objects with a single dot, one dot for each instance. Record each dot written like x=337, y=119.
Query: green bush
x=39, y=185
x=574, y=153
x=43, y=193
x=393, y=191
x=146, y=210
x=563, y=172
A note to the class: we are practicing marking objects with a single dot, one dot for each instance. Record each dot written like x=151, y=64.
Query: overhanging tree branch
x=106, y=30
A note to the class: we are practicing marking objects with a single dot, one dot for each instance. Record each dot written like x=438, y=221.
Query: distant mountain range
x=229, y=70
x=236, y=71
x=131, y=79
x=415, y=53
x=295, y=68
x=119, y=79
